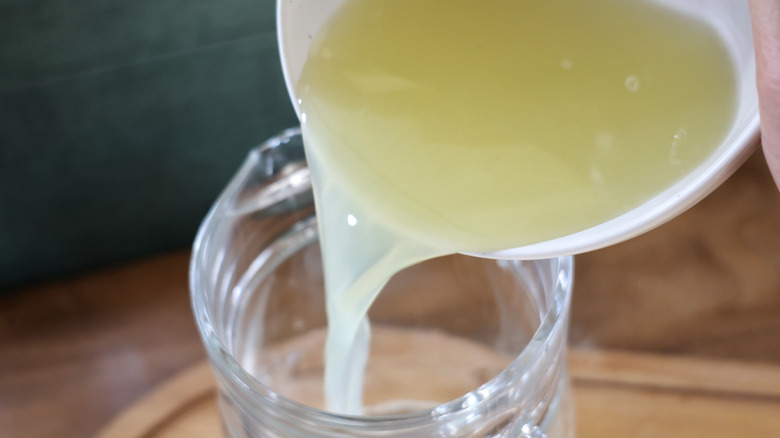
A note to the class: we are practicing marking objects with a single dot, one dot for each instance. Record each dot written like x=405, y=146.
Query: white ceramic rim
x=732, y=153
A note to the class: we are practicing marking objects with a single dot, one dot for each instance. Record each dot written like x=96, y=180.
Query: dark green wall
x=120, y=122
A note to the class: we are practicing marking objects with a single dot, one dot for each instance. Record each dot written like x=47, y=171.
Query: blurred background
x=120, y=122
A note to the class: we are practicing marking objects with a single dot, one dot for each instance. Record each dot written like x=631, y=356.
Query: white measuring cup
x=298, y=21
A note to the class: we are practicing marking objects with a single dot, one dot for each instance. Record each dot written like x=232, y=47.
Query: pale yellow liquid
x=443, y=126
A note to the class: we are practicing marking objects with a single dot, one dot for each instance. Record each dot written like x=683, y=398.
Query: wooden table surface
x=76, y=352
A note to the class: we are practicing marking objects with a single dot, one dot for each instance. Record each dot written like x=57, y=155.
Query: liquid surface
x=493, y=124
x=444, y=126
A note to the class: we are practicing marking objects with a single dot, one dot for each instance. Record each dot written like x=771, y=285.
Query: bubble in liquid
x=677, y=141
x=632, y=83
x=605, y=141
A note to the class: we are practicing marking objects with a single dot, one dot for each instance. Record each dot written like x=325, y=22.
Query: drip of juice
x=442, y=126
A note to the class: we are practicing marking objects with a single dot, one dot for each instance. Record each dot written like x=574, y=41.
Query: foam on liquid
x=443, y=126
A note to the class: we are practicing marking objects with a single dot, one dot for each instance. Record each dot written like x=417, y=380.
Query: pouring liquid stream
x=446, y=126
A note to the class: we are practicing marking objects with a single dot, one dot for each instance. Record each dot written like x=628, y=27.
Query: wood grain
x=74, y=353
x=617, y=395
x=675, y=374
x=706, y=284
x=174, y=408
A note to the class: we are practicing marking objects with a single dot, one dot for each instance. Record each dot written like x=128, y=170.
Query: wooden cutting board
x=617, y=394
